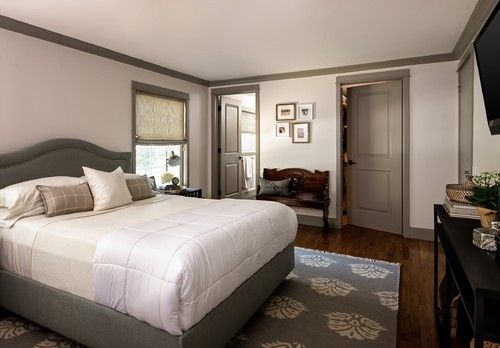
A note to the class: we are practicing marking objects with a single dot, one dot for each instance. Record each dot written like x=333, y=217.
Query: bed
x=63, y=299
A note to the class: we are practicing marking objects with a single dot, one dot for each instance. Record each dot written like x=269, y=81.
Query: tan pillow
x=109, y=190
x=140, y=188
x=59, y=200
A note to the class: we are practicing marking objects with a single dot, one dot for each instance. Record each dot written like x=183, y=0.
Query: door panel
x=232, y=113
x=373, y=132
x=232, y=178
x=374, y=146
x=230, y=169
x=465, y=118
x=374, y=190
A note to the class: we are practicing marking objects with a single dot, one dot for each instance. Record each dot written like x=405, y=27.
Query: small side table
x=187, y=192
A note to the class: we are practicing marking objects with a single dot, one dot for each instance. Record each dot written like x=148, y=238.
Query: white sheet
x=60, y=251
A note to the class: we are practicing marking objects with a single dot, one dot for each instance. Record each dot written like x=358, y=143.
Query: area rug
x=329, y=300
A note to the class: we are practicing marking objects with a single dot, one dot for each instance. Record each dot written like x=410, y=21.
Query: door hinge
x=219, y=108
x=219, y=150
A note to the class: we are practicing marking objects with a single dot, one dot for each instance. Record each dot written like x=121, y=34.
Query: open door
x=374, y=147
x=230, y=157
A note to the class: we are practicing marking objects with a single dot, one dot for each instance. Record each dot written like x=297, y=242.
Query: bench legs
x=325, y=216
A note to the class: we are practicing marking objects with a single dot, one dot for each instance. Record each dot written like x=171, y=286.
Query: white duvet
x=167, y=260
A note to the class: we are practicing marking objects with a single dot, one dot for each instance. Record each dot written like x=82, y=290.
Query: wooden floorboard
x=416, y=321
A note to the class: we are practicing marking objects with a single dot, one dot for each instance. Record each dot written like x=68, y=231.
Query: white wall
x=433, y=139
x=49, y=91
x=485, y=147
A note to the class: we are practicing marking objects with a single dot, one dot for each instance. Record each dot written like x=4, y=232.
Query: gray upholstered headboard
x=59, y=157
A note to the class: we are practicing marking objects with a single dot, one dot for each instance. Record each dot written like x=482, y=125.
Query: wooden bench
x=309, y=190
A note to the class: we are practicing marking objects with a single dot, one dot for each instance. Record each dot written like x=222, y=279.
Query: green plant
x=485, y=190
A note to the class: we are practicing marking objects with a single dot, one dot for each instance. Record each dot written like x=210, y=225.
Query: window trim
x=143, y=88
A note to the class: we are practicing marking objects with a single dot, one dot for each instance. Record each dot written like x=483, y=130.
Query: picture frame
x=282, y=130
x=286, y=112
x=301, y=133
x=305, y=111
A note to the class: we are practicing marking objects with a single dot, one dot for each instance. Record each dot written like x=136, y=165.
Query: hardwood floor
x=416, y=322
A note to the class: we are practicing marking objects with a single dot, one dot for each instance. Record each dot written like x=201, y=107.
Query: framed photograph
x=301, y=132
x=286, y=112
x=282, y=130
x=305, y=111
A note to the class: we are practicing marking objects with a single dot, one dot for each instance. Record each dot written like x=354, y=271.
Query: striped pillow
x=140, y=188
x=59, y=200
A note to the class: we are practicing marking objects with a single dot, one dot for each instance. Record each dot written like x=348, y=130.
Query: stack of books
x=460, y=210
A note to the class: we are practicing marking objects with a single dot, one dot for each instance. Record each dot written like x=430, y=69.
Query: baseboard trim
x=317, y=221
x=421, y=233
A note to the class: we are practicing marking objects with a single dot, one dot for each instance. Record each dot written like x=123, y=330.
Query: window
x=160, y=133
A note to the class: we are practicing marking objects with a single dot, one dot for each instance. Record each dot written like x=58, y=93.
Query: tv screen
x=487, y=47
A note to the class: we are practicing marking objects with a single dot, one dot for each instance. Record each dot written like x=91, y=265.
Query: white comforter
x=171, y=271
x=167, y=260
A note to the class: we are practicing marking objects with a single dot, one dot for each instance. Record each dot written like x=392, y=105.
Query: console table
x=473, y=272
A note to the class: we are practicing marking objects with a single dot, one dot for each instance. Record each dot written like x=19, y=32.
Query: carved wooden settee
x=309, y=190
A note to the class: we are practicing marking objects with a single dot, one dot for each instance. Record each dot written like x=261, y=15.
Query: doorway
x=235, y=142
x=372, y=151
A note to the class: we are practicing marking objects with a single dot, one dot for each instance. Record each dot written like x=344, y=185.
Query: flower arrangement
x=485, y=196
x=485, y=190
x=166, y=177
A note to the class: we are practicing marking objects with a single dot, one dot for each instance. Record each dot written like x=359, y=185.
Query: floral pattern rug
x=329, y=300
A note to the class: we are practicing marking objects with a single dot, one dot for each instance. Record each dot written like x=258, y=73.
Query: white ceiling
x=219, y=39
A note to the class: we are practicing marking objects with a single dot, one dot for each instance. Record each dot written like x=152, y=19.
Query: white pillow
x=23, y=199
x=83, y=179
x=109, y=190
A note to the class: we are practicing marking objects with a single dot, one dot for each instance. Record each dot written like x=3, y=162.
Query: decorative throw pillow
x=23, y=199
x=275, y=188
x=59, y=200
x=140, y=188
x=108, y=189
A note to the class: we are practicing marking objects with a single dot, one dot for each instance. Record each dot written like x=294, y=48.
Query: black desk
x=475, y=274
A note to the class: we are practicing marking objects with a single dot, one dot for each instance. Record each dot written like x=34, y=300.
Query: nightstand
x=187, y=192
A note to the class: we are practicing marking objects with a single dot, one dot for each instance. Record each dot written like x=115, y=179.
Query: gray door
x=465, y=118
x=230, y=148
x=374, y=147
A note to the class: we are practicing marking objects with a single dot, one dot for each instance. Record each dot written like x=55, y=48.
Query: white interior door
x=374, y=147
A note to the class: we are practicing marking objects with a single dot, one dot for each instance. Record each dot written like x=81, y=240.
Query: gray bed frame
x=95, y=325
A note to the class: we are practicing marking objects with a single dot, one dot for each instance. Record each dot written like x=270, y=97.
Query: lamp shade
x=174, y=160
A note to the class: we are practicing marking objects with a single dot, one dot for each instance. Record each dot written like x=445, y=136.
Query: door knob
x=351, y=162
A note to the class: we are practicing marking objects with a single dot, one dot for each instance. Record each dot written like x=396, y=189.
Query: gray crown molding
x=436, y=58
x=476, y=21
x=63, y=40
x=478, y=17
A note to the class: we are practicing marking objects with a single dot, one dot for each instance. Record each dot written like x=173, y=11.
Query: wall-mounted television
x=487, y=48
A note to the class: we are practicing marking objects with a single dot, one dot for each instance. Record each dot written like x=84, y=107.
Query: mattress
x=60, y=251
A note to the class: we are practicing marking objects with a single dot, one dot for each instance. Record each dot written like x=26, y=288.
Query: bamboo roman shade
x=160, y=119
